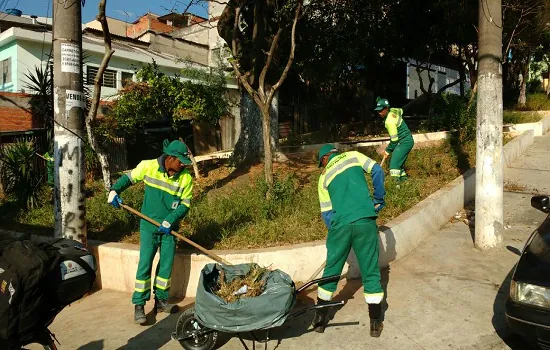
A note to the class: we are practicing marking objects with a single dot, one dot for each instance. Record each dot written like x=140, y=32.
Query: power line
x=489, y=17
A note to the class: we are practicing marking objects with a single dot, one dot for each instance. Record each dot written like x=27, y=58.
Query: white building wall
x=442, y=76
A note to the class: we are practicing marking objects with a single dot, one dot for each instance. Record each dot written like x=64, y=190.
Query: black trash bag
x=269, y=309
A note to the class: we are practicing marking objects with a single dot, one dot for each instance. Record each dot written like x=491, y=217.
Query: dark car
x=528, y=304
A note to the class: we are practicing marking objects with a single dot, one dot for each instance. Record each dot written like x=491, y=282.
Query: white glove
x=114, y=199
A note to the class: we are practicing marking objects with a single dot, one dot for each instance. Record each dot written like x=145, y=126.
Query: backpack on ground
x=37, y=280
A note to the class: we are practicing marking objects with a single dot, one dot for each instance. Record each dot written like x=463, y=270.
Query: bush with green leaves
x=450, y=112
x=159, y=97
x=18, y=174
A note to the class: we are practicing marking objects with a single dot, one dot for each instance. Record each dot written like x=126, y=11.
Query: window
x=127, y=78
x=109, y=77
x=6, y=71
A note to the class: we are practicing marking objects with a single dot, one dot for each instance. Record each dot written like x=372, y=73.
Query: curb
x=539, y=128
x=117, y=262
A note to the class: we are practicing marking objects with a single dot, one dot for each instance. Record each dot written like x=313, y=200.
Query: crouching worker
x=401, y=140
x=350, y=215
x=168, y=192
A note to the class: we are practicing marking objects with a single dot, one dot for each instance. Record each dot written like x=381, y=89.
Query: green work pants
x=399, y=157
x=151, y=241
x=362, y=236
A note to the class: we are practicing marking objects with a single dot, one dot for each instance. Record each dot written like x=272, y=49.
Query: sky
x=115, y=8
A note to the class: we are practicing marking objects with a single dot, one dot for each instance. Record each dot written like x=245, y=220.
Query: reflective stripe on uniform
x=324, y=294
x=338, y=168
x=394, y=137
x=374, y=298
x=162, y=283
x=142, y=286
x=369, y=163
x=395, y=172
x=163, y=185
x=129, y=174
x=325, y=206
x=151, y=173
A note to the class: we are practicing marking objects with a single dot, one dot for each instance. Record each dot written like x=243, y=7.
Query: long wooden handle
x=204, y=250
x=383, y=160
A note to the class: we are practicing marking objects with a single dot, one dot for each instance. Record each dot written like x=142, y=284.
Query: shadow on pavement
x=157, y=334
x=93, y=345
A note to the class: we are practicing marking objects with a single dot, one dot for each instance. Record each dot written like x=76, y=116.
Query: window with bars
x=6, y=71
x=109, y=77
x=127, y=78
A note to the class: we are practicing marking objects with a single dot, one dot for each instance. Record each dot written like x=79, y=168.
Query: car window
x=540, y=245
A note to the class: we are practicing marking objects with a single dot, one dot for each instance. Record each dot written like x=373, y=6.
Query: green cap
x=381, y=103
x=325, y=149
x=177, y=149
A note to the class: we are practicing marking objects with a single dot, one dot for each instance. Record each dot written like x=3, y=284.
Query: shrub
x=19, y=174
x=451, y=112
x=536, y=102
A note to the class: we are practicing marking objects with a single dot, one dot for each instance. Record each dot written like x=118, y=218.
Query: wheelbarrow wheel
x=188, y=333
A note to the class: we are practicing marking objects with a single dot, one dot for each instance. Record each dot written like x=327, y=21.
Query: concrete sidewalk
x=444, y=295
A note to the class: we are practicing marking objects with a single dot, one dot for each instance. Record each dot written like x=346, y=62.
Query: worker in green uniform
x=350, y=216
x=168, y=192
x=401, y=140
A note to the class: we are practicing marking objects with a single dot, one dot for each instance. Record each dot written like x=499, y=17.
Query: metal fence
x=116, y=153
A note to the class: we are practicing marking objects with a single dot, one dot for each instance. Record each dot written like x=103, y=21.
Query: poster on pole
x=70, y=58
x=74, y=99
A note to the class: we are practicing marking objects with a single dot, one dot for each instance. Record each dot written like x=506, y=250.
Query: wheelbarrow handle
x=318, y=280
x=314, y=307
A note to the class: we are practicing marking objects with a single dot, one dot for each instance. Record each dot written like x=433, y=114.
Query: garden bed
x=229, y=210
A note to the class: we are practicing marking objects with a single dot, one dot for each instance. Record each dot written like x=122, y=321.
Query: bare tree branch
x=242, y=78
x=290, y=57
x=512, y=35
x=274, y=44
x=90, y=118
x=450, y=85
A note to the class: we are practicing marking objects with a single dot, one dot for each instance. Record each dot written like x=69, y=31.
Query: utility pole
x=69, y=132
x=489, y=164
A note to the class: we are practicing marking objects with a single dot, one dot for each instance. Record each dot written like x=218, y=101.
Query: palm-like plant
x=19, y=173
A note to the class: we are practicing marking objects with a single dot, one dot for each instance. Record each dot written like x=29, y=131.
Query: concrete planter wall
x=540, y=128
x=118, y=261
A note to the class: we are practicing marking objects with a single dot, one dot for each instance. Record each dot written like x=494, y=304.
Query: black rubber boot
x=320, y=320
x=163, y=306
x=139, y=314
x=376, y=327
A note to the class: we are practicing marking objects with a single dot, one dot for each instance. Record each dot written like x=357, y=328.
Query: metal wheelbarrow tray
x=198, y=327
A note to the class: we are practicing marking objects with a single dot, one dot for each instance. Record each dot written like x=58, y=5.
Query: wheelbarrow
x=193, y=334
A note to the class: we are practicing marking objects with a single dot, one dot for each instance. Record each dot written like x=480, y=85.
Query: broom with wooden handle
x=186, y=240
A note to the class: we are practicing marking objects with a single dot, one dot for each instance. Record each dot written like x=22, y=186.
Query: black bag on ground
x=37, y=280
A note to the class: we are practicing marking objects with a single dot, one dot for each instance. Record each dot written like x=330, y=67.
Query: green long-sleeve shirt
x=166, y=197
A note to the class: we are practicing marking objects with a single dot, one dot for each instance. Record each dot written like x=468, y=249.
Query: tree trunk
x=249, y=146
x=101, y=154
x=193, y=161
x=462, y=72
x=489, y=164
x=522, y=99
x=268, y=152
x=195, y=166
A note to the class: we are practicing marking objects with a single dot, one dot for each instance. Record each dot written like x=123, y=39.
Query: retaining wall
x=118, y=261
